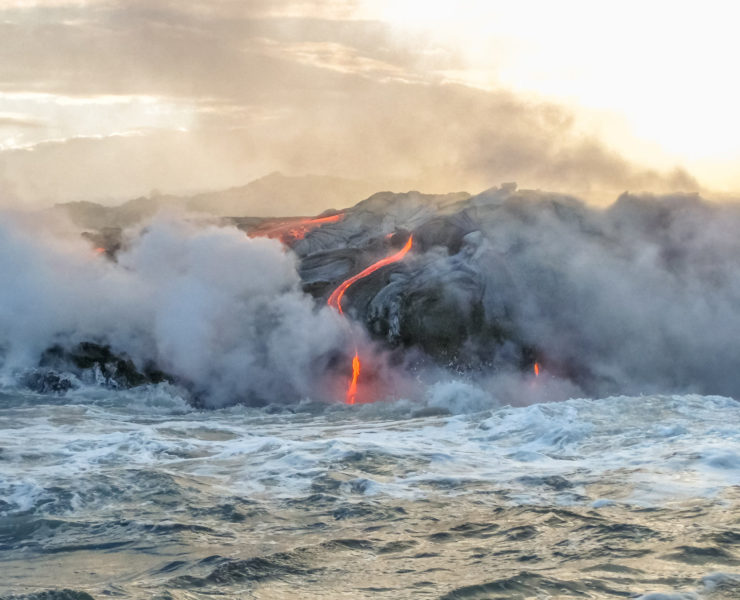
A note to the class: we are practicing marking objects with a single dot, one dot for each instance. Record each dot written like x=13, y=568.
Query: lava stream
x=293, y=229
x=352, y=389
x=335, y=300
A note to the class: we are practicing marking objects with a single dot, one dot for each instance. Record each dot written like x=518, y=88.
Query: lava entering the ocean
x=335, y=300
x=352, y=389
x=291, y=230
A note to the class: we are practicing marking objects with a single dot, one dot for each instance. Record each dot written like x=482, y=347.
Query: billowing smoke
x=229, y=91
x=640, y=297
x=216, y=310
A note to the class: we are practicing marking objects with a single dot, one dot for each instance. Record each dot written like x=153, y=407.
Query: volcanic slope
x=638, y=296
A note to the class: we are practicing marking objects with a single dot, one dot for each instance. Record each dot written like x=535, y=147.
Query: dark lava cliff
x=636, y=297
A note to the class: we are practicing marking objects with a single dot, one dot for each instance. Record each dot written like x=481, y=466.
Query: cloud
x=296, y=86
x=246, y=334
x=15, y=121
x=637, y=298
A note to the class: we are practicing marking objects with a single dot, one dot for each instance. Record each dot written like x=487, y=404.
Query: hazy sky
x=110, y=99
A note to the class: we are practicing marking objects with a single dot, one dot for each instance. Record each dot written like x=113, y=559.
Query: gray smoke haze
x=221, y=312
x=639, y=297
x=239, y=91
x=115, y=98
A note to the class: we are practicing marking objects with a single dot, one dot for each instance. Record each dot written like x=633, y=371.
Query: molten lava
x=335, y=300
x=291, y=230
x=536, y=369
x=352, y=389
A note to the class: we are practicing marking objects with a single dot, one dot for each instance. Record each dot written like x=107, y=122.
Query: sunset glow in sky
x=108, y=99
x=659, y=74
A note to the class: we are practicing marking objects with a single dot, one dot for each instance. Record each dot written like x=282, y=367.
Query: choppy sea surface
x=135, y=494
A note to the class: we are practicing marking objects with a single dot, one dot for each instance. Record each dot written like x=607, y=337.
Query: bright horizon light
x=657, y=74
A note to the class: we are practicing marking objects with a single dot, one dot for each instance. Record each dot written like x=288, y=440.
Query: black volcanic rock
x=89, y=360
x=601, y=297
x=442, y=297
x=47, y=381
x=380, y=215
x=437, y=307
x=643, y=291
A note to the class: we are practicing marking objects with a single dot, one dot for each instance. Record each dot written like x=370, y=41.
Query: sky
x=111, y=99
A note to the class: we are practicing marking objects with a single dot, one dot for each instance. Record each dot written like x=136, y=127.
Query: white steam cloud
x=641, y=297
x=210, y=306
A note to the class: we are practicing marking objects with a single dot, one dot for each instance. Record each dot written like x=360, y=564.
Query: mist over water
x=207, y=304
x=639, y=297
x=612, y=474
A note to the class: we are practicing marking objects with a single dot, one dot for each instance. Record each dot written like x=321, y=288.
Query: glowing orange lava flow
x=352, y=389
x=292, y=230
x=536, y=369
x=335, y=300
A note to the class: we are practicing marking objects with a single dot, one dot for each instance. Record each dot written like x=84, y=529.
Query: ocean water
x=136, y=494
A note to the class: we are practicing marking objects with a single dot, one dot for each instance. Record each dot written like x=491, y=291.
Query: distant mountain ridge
x=275, y=195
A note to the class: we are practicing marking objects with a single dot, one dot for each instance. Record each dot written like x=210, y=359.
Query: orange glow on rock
x=292, y=230
x=99, y=250
x=352, y=389
x=536, y=369
x=335, y=300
